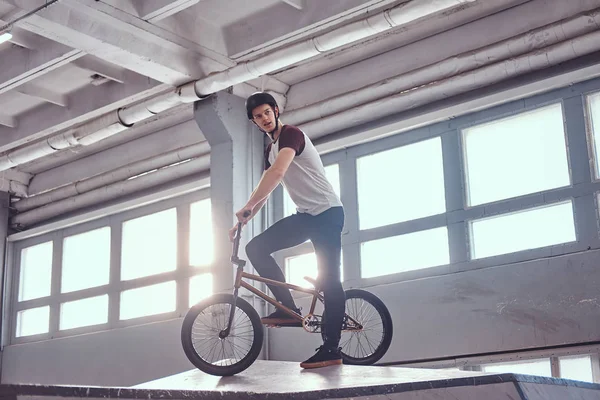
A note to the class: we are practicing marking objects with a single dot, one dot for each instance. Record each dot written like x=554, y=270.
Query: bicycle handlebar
x=236, y=243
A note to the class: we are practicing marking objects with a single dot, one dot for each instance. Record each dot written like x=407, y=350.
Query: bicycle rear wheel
x=216, y=355
x=367, y=345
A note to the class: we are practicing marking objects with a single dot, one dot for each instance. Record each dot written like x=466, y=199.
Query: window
x=201, y=234
x=540, y=367
x=201, y=286
x=297, y=267
x=523, y=230
x=73, y=291
x=148, y=300
x=578, y=368
x=333, y=175
x=594, y=121
x=86, y=312
x=86, y=260
x=401, y=184
x=405, y=252
x=515, y=156
x=33, y=321
x=149, y=245
x=36, y=271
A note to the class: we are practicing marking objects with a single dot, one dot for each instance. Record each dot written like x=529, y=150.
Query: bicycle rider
x=291, y=159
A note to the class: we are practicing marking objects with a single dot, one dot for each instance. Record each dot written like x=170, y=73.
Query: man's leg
x=285, y=233
x=327, y=242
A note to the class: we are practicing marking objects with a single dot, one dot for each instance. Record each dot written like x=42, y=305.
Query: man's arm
x=272, y=177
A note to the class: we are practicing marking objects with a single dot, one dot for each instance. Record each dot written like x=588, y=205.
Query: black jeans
x=324, y=231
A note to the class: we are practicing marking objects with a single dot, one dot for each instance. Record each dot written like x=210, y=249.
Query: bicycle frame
x=240, y=283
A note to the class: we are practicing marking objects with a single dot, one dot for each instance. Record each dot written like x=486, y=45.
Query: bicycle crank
x=312, y=323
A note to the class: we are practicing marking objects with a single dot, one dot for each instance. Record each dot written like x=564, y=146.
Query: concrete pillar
x=236, y=166
x=4, y=217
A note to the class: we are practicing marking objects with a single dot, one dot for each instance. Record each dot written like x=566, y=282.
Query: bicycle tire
x=187, y=335
x=387, y=328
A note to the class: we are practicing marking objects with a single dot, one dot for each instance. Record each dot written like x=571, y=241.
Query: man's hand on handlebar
x=244, y=214
x=243, y=217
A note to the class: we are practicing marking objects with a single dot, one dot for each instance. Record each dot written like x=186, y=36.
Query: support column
x=5, y=267
x=236, y=166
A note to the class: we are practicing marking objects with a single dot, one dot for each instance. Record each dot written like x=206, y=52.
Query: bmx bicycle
x=222, y=335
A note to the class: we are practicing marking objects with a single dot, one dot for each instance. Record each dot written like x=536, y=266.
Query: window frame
x=181, y=275
x=513, y=113
x=581, y=191
x=471, y=236
x=589, y=133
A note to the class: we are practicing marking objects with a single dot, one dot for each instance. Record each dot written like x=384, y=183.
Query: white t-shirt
x=305, y=179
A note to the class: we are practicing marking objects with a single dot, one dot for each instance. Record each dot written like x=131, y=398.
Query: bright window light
x=201, y=286
x=86, y=312
x=5, y=37
x=401, y=184
x=36, y=271
x=578, y=368
x=86, y=260
x=149, y=245
x=407, y=252
x=333, y=175
x=33, y=321
x=523, y=230
x=297, y=267
x=201, y=234
x=534, y=367
x=593, y=102
x=148, y=300
x=515, y=156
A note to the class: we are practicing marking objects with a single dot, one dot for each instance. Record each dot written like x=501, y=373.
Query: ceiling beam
x=99, y=67
x=297, y=4
x=23, y=38
x=121, y=39
x=8, y=121
x=156, y=10
x=26, y=65
x=32, y=90
x=88, y=103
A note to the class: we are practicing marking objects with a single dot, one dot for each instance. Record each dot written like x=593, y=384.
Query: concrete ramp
x=286, y=380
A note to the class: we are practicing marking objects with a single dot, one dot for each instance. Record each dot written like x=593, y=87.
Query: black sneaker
x=281, y=318
x=325, y=357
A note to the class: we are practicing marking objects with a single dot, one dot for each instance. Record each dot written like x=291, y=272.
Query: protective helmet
x=258, y=99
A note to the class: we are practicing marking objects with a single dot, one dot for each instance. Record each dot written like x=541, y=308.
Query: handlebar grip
x=236, y=239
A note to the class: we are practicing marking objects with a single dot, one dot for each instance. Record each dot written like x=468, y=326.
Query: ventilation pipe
x=119, y=174
x=526, y=43
x=87, y=134
x=10, y=186
x=197, y=166
x=122, y=119
x=455, y=85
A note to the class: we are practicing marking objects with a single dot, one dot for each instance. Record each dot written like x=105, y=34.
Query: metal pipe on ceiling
x=119, y=174
x=198, y=166
x=462, y=63
x=455, y=85
x=124, y=118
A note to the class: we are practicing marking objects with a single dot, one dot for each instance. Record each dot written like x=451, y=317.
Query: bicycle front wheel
x=216, y=355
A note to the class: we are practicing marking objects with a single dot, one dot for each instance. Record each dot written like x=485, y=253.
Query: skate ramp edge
x=286, y=380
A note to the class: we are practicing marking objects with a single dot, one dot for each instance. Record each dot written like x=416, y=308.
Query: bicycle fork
x=225, y=332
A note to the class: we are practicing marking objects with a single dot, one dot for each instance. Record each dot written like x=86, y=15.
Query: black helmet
x=258, y=99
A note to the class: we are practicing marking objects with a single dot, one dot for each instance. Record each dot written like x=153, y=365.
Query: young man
x=291, y=159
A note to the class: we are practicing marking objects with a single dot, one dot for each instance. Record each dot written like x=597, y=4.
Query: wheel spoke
x=210, y=347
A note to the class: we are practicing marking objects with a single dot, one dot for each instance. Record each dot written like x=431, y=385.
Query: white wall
x=120, y=357
x=521, y=306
